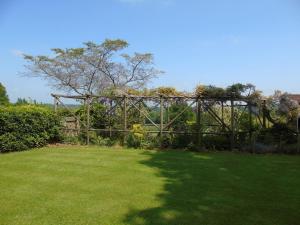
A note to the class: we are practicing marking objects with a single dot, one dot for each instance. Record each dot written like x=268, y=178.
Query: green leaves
x=3, y=96
x=114, y=45
x=27, y=126
x=237, y=90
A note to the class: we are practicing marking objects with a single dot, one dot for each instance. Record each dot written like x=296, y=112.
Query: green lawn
x=79, y=185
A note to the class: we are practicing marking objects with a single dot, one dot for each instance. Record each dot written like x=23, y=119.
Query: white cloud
x=17, y=52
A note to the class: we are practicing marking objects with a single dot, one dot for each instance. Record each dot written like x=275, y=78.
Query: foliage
x=101, y=141
x=22, y=101
x=66, y=112
x=71, y=139
x=131, y=91
x=98, y=116
x=166, y=141
x=216, y=142
x=282, y=109
x=279, y=132
x=184, y=126
x=240, y=90
x=136, y=136
x=29, y=101
x=200, y=89
x=181, y=124
x=288, y=107
x=237, y=90
x=3, y=95
x=166, y=91
x=27, y=126
x=214, y=92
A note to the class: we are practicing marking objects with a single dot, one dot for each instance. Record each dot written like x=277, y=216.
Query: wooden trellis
x=139, y=103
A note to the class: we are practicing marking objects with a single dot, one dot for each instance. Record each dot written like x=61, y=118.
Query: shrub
x=101, y=141
x=9, y=142
x=27, y=126
x=216, y=142
x=136, y=136
x=181, y=140
x=166, y=141
x=151, y=141
x=70, y=139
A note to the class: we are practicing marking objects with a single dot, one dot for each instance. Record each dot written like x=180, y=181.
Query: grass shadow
x=220, y=189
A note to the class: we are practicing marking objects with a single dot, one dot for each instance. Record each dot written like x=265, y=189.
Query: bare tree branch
x=93, y=68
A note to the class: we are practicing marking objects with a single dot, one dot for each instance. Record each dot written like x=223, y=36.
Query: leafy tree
x=3, y=95
x=241, y=90
x=236, y=90
x=282, y=106
x=93, y=68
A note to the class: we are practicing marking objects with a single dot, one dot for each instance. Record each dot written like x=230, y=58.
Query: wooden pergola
x=237, y=106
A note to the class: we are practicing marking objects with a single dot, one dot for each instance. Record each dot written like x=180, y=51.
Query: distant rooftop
x=295, y=97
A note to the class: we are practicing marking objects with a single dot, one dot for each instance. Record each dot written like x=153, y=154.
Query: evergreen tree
x=3, y=95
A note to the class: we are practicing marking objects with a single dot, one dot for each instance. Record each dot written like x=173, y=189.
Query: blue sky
x=194, y=41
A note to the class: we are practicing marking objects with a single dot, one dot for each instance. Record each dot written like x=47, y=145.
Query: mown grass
x=81, y=185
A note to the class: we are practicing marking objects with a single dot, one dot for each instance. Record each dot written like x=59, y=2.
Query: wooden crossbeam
x=179, y=114
x=215, y=116
x=145, y=114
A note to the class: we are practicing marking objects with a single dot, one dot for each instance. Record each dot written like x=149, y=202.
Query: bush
x=101, y=141
x=72, y=140
x=182, y=141
x=216, y=142
x=151, y=141
x=136, y=136
x=165, y=141
x=27, y=126
x=10, y=142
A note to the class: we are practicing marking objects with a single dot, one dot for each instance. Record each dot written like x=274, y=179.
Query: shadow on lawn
x=219, y=189
x=191, y=191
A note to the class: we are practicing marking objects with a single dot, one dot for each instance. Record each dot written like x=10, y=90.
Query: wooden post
x=199, y=129
x=161, y=127
x=110, y=120
x=167, y=112
x=161, y=116
x=222, y=108
x=264, y=114
x=232, y=126
x=298, y=142
x=87, y=120
x=298, y=133
x=280, y=142
x=55, y=104
x=125, y=119
x=141, y=120
x=250, y=128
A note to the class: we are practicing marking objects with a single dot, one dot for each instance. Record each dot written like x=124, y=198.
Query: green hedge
x=27, y=126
